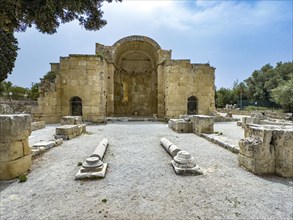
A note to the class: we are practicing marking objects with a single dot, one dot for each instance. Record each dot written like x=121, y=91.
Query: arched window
x=192, y=105
x=76, y=106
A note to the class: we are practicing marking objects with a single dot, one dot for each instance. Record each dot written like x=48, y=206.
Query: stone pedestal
x=184, y=164
x=94, y=167
x=202, y=124
x=15, y=154
x=267, y=149
x=180, y=125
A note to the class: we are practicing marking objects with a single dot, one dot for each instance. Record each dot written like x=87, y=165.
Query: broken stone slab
x=180, y=125
x=14, y=127
x=101, y=149
x=94, y=167
x=171, y=148
x=184, y=164
x=71, y=120
x=203, y=124
x=45, y=144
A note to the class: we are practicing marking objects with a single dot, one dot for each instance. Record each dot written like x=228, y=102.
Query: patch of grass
x=22, y=178
x=79, y=164
x=104, y=200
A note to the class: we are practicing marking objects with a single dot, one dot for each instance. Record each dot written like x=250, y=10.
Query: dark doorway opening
x=76, y=106
x=192, y=105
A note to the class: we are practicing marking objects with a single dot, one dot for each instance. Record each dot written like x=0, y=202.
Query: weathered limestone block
x=180, y=125
x=71, y=120
x=101, y=149
x=184, y=164
x=171, y=148
x=81, y=129
x=14, y=127
x=11, y=151
x=283, y=142
x=255, y=156
x=14, y=150
x=203, y=124
x=36, y=125
x=15, y=154
x=267, y=150
x=14, y=168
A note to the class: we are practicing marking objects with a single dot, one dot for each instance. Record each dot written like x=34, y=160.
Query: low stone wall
x=18, y=106
x=36, y=125
x=267, y=150
x=15, y=154
x=67, y=132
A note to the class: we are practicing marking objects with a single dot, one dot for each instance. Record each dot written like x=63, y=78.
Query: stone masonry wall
x=84, y=76
x=15, y=154
x=182, y=80
x=267, y=149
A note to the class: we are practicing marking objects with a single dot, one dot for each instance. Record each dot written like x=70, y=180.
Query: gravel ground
x=140, y=182
x=230, y=130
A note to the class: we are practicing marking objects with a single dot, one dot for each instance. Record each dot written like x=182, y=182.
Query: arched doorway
x=135, y=77
x=192, y=105
x=76, y=106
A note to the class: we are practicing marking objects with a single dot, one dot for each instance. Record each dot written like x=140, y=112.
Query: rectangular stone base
x=67, y=132
x=91, y=175
x=187, y=171
x=180, y=125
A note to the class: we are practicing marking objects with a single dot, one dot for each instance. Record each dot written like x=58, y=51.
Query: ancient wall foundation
x=15, y=154
x=267, y=149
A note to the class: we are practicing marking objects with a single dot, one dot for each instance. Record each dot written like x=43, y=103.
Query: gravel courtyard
x=140, y=182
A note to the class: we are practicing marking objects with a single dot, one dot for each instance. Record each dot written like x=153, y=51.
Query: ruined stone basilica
x=133, y=77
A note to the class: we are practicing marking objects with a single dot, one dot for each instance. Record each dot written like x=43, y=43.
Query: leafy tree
x=5, y=87
x=225, y=96
x=256, y=89
x=34, y=91
x=283, y=94
x=46, y=16
x=263, y=81
x=8, y=53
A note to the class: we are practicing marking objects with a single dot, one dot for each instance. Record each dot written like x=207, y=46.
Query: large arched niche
x=135, y=77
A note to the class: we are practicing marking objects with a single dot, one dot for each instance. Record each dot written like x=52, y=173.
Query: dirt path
x=140, y=182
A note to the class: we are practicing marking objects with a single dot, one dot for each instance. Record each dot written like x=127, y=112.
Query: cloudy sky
x=236, y=37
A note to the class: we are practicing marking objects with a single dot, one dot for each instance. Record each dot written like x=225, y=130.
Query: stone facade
x=133, y=77
x=15, y=153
